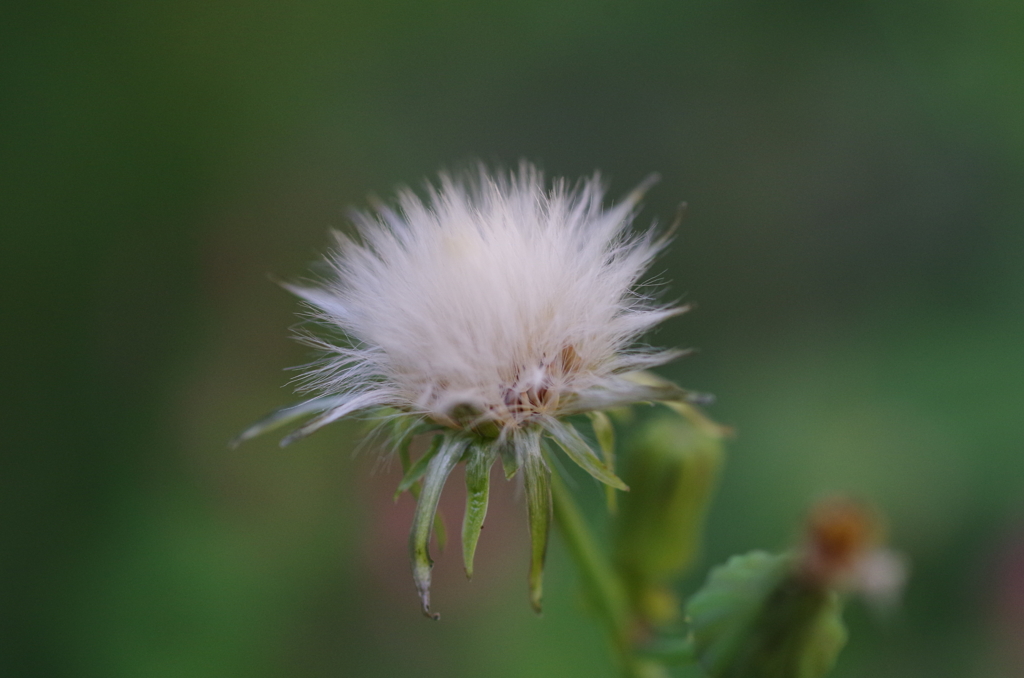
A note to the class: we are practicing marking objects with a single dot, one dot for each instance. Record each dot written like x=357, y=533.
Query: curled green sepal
x=402, y=430
x=402, y=435
x=404, y=441
x=413, y=472
x=438, y=469
x=604, y=432
x=579, y=451
x=478, y=481
x=757, y=618
x=538, y=504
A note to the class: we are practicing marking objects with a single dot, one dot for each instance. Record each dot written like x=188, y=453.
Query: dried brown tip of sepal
x=438, y=469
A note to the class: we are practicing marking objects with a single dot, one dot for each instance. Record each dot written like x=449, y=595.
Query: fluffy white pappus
x=497, y=299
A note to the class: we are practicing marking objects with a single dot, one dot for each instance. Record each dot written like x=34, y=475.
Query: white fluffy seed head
x=497, y=299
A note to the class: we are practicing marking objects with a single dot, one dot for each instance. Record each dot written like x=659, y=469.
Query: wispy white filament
x=497, y=296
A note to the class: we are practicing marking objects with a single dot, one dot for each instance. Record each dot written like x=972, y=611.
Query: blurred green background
x=854, y=173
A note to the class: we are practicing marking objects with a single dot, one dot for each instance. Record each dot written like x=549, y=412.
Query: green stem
x=604, y=588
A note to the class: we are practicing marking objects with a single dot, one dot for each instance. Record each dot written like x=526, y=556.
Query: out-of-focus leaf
x=756, y=618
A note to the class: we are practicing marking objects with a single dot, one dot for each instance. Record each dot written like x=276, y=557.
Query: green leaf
x=538, y=504
x=438, y=470
x=757, y=618
x=413, y=472
x=604, y=432
x=573, y=444
x=478, y=481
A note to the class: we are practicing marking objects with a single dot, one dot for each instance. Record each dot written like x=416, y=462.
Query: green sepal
x=569, y=439
x=437, y=472
x=402, y=430
x=509, y=461
x=757, y=618
x=440, y=531
x=478, y=481
x=538, y=504
x=413, y=472
x=405, y=434
x=286, y=415
x=698, y=418
x=352, y=403
x=681, y=401
x=604, y=433
x=404, y=441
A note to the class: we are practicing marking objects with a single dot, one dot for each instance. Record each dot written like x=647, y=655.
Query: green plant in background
x=499, y=319
x=758, y=616
x=672, y=468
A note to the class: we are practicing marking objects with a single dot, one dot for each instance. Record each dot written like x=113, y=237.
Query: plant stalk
x=604, y=588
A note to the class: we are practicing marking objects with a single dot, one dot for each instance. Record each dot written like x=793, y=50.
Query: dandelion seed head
x=496, y=299
x=484, y=314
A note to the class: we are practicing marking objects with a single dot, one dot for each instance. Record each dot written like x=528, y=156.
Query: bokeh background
x=854, y=244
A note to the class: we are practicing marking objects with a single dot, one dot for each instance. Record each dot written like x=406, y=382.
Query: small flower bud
x=843, y=550
x=780, y=616
x=671, y=469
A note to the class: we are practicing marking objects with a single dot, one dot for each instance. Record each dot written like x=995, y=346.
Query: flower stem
x=603, y=587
